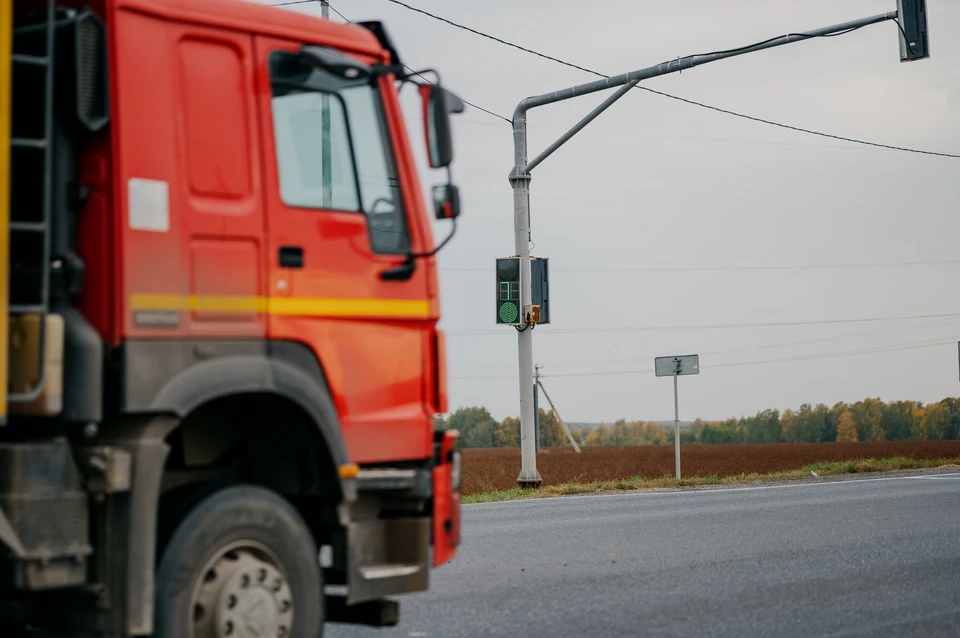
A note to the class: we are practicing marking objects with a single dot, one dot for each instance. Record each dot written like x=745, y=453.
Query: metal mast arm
x=631, y=79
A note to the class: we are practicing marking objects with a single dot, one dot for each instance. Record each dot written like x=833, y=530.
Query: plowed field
x=486, y=470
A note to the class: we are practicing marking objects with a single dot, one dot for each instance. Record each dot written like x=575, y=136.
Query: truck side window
x=360, y=175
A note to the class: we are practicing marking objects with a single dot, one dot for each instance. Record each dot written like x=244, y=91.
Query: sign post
x=677, y=367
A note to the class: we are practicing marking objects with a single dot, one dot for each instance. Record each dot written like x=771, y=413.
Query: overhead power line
x=828, y=355
x=671, y=96
x=739, y=364
x=768, y=346
x=895, y=264
x=718, y=326
x=348, y=21
x=332, y=8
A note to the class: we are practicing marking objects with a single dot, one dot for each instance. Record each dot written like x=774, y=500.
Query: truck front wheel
x=241, y=563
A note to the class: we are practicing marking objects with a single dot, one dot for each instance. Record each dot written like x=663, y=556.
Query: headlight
x=456, y=471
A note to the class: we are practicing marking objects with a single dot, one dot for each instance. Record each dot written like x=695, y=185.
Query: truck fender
x=239, y=374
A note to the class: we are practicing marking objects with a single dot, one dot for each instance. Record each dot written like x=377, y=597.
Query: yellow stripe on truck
x=385, y=308
x=6, y=60
x=286, y=306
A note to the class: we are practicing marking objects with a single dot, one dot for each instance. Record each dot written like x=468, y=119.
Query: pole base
x=529, y=479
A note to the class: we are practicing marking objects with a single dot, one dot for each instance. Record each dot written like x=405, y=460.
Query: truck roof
x=250, y=17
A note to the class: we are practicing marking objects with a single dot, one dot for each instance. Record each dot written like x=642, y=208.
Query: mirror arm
x=405, y=270
x=453, y=231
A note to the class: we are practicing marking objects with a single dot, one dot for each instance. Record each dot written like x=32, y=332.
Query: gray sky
x=656, y=184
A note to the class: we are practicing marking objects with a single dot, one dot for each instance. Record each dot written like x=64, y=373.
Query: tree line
x=867, y=420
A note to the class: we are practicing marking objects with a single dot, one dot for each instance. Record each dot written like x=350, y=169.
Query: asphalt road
x=852, y=558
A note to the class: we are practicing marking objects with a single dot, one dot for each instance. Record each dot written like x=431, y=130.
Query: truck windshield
x=333, y=148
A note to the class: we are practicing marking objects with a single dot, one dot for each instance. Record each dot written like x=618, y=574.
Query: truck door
x=337, y=218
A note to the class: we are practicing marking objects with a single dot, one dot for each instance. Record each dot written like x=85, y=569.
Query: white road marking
x=639, y=493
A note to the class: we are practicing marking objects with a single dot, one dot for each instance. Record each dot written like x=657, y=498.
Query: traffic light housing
x=508, y=291
x=511, y=299
x=912, y=17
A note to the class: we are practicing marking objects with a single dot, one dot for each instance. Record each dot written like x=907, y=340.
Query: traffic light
x=510, y=299
x=912, y=18
x=508, y=290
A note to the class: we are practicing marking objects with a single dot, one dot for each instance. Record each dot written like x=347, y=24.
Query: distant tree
x=439, y=423
x=847, y=428
x=832, y=420
x=866, y=420
x=868, y=415
x=937, y=421
x=811, y=424
x=726, y=432
x=918, y=431
x=953, y=405
x=507, y=433
x=900, y=419
x=475, y=425
x=598, y=436
x=551, y=432
x=763, y=428
x=790, y=427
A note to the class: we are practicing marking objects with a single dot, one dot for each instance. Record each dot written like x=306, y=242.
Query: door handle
x=402, y=272
x=291, y=257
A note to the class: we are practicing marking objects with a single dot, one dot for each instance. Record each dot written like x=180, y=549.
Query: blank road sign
x=681, y=365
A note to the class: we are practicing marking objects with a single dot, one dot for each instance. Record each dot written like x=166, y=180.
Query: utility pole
x=912, y=21
x=536, y=408
x=557, y=414
x=326, y=169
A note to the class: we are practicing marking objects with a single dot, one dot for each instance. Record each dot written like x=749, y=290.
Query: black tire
x=216, y=544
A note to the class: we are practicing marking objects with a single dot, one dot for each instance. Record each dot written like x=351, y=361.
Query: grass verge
x=667, y=482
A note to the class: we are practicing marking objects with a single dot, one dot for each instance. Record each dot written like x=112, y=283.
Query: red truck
x=220, y=358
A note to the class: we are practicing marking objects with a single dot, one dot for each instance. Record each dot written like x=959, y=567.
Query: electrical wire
x=829, y=355
x=806, y=36
x=834, y=355
x=348, y=21
x=900, y=264
x=769, y=346
x=720, y=326
x=905, y=38
x=811, y=341
x=738, y=364
x=675, y=97
x=332, y=8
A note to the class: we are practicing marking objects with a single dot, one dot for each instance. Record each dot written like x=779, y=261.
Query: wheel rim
x=242, y=592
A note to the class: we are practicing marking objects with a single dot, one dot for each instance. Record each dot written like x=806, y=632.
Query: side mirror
x=446, y=201
x=438, y=103
x=335, y=63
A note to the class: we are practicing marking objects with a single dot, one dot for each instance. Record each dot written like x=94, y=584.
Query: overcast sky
x=657, y=184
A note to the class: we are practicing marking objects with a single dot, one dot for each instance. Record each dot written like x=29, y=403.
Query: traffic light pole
x=520, y=182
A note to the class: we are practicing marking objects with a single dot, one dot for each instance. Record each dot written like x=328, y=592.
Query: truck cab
x=222, y=361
